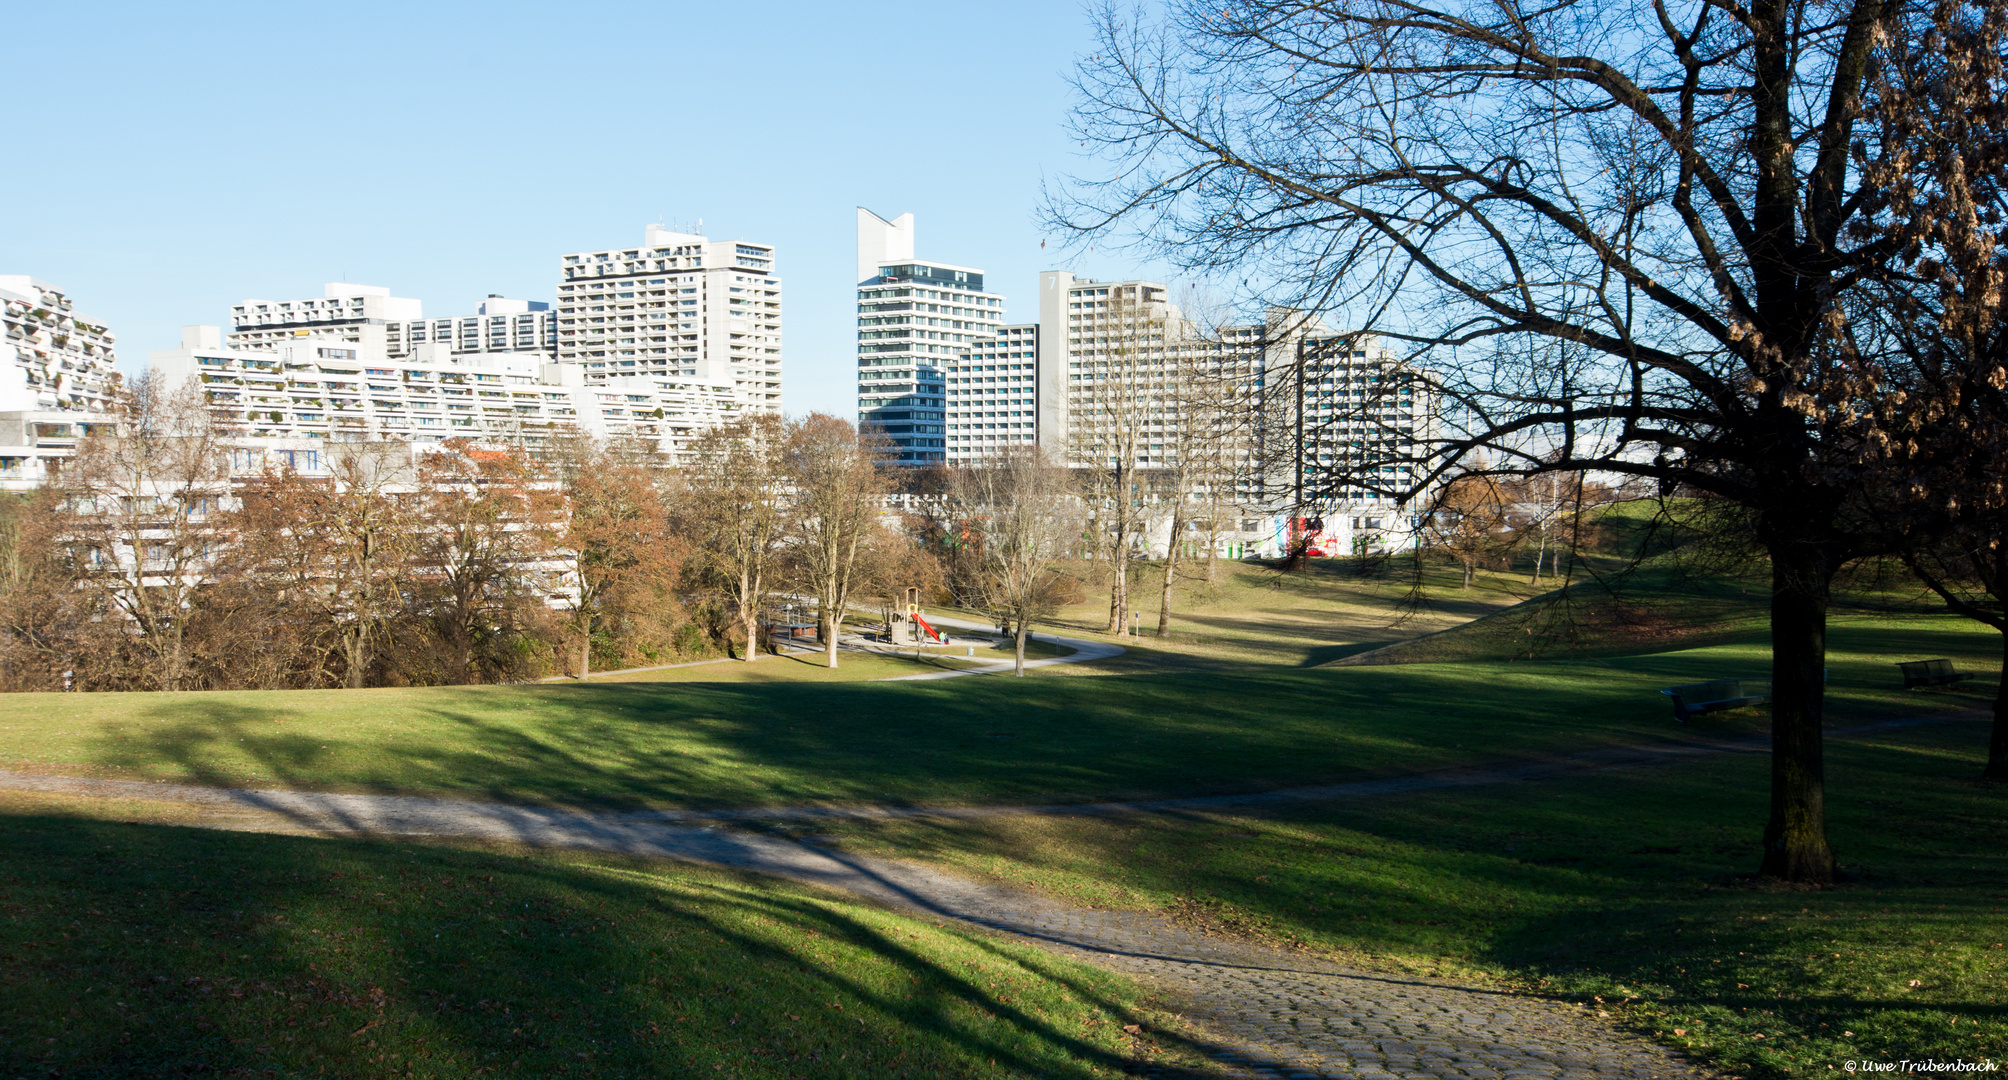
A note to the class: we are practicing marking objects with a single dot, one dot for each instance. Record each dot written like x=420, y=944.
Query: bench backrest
x=1719, y=690
x=1926, y=667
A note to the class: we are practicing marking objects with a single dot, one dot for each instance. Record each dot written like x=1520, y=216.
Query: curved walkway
x=1085, y=649
x=1257, y=1011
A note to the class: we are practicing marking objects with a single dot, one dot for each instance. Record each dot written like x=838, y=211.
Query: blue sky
x=169, y=160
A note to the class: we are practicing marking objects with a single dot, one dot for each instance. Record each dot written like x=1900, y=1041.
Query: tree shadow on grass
x=1626, y=889
x=1010, y=741
x=141, y=950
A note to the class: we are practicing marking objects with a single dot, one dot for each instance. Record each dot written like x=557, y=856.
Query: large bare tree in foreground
x=1665, y=188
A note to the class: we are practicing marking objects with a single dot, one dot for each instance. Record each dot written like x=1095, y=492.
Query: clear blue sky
x=168, y=160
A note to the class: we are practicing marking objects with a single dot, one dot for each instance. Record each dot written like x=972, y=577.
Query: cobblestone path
x=1256, y=1011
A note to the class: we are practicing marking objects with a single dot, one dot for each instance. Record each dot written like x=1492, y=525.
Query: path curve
x=1085, y=649
x=1256, y=1011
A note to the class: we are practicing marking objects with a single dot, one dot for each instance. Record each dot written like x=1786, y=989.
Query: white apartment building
x=344, y=314
x=993, y=394
x=1359, y=413
x=498, y=325
x=305, y=390
x=678, y=305
x=916, y=319
x=56, y=380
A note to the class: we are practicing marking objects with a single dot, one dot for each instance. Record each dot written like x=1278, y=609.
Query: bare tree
x=838, y=492
x=144, y=516
x=1019, y=512
x=1468, y=520
x=1666, y=188
x=1109, y=421
x=1205, y=385
x=736, y=504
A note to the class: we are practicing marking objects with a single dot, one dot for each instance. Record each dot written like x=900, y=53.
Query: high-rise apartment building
x=678, y=305
x=993, y=394
x=56, y=379
x=916, y=319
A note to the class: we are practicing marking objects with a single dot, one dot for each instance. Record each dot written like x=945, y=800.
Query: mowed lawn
x=748, y=741
x=147, y=951
x=1631, y=892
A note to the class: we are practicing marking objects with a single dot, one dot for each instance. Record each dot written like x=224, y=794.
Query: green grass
x=711, y=744
x=133, y=950
x=800, y=666
x=1630, y=892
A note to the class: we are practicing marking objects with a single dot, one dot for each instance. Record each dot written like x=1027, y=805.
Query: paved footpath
x=1257, y=1011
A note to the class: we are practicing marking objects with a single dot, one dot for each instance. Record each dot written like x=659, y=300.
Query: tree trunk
x=1467, y=574
x=1997, y=744
x=357, y=656
x=1119, y=585
x=1170, y=569
x=1019, y=639
x=1795, y=838
x=749, y=615
x=827, y=625
x=586, y=652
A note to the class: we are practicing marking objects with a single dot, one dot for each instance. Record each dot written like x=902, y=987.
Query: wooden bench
x=1918, y=673
x=1704, y=697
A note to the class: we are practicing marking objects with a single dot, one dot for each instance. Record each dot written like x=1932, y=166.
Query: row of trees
x=157, y=562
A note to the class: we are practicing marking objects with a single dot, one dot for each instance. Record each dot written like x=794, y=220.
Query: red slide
x=923, y=625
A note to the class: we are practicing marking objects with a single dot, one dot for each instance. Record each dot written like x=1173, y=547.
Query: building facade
x=344, y=313
x=916, y=319
x=993, y=394
x=308, y=390
x=679, y=305
x=498, y=325
x=57, y=381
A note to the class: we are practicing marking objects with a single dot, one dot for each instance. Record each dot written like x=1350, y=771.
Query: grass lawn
x=709, y=742
x=1630, y=890
x=799, y=666
x=138, y=950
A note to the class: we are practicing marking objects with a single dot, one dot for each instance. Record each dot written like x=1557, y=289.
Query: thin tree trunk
x=1019, y=638
x=749, y=618
x=1119, y=584
x=1170, y=569
x=586, y=652
x=1795, y=838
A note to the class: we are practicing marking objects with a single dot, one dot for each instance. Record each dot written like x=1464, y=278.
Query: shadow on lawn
x=140, y=950
x=1633, y=886
x=714, y=745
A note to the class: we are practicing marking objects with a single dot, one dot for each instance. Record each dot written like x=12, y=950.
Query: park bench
x=1721, y=694
x=1918, y=673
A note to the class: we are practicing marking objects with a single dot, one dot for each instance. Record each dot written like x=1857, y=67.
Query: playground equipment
x=920, y=624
